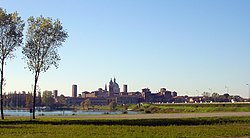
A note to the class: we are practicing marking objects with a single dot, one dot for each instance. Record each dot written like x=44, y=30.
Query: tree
x=227, y=96
x=43, y=38
x=61, y=100
x=86, y=104
x=215, y=96
x=11, y=36
x=206, y=94
x=39, y=99
x=112, y=105
x=47, y=99
x=28, y=100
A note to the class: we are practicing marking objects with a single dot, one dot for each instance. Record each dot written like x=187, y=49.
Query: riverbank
x=192, y=107
x=144, y=116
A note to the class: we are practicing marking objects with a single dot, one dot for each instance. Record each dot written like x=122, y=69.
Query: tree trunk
x=1, y=90
x=34, y=95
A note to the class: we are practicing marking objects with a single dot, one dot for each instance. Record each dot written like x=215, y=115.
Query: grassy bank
x=192, y=127
x=191, y=108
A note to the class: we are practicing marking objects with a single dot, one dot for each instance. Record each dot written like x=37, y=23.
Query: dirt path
x=151, y=116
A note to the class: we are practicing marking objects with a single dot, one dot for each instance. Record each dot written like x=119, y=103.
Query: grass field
x=200, y=127
x=76, y=127
x=41, y=130
x=192, y=108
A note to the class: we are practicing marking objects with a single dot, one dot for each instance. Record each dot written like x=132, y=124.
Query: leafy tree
x=11, y=36
x=206, y=94
x=112, y=105
x=227, y=96
x=43, y=38
x=86, y=104
x=47, y=99
x=125, y=106
x=28, y=100
x=215, y=96
x=39, y=99
x=82, y=105
x=61, y=99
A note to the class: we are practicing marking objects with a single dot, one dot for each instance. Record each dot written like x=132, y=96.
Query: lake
x=60, y=113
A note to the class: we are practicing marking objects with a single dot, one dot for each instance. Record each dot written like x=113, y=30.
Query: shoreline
x=148, y=116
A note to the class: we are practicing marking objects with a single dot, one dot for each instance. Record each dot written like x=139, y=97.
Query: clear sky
x=183, y=45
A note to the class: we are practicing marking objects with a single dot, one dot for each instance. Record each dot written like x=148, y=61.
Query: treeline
x=25, y=100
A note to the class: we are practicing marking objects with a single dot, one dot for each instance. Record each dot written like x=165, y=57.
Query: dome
x=115, y=85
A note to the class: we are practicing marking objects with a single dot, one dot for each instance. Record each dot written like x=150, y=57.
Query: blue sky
x=183, y=45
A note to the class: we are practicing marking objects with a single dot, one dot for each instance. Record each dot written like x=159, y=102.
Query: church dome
x=115, y=85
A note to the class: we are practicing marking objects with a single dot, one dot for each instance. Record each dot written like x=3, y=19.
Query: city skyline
x=183, y=46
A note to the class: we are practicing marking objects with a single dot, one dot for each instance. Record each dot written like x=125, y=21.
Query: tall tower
x=125, y=88
x=106, y=89
x=110, y=88
x=55, y=93
x=74, y=90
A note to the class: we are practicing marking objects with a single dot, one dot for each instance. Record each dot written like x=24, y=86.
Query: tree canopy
x=11, y=36
x=43, y=38
x=11, y=33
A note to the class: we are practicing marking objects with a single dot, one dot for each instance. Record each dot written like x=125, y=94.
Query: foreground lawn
x=42, y=130
x=77, y=127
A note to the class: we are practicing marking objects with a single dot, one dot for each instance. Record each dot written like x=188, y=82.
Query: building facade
x=74, y=90
x=114, y=88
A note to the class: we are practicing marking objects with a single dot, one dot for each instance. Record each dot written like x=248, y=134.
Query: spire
x=111, y=82
x=106, y=87
x=114, y=80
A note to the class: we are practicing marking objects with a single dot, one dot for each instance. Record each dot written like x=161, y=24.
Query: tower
x=105, y=87
x=113, y=88
x=74, y=90
x=125, y=88
x=55, y=93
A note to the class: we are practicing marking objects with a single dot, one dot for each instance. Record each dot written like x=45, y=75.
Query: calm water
x=60, y=113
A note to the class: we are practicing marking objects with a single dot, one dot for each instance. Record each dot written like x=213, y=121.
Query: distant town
x=111, y=93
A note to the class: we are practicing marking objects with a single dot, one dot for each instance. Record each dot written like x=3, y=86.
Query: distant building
x=73, y=101
x=163, y=91
x=17, y=99
x=106, y=89
x=127, y=100
x=74, y=90
x=125, y=88
x=146, y=94
x=97, y=101
x=114, y=88
x=55, y=93
x=174, y=94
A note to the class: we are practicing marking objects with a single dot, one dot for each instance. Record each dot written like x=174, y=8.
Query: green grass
x=179, y=108
x=129, y=122
x=42, y=130
x=192, y=108
x=77, y=127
